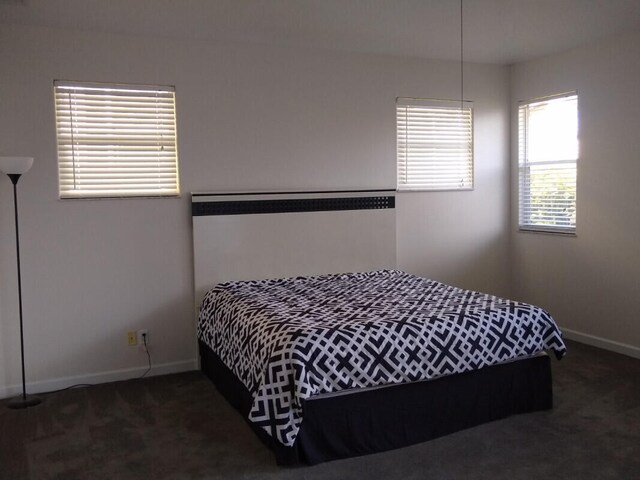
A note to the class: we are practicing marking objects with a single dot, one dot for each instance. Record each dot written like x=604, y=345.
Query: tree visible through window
x=548, y=156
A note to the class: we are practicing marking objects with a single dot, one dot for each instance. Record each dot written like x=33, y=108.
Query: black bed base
x=397, y=416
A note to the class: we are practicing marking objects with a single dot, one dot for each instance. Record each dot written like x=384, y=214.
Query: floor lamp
x=14, y=167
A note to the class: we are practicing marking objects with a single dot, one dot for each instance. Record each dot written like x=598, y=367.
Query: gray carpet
x=179, y=427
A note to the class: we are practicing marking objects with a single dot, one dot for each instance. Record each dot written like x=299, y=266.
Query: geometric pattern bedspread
x=289, y=339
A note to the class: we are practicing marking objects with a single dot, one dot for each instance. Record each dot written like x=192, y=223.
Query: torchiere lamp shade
x=15, y=165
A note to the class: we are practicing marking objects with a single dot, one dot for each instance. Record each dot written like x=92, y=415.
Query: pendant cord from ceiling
x=461, y=61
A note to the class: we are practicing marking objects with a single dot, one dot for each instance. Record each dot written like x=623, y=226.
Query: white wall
x=249, y=118
x=462, y=238
x=590, y=282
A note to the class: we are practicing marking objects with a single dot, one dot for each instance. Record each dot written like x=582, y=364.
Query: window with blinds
x=548, y=156
x=116, y=140
x=434, y=144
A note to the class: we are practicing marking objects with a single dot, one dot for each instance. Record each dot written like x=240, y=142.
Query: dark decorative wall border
x=370, y=200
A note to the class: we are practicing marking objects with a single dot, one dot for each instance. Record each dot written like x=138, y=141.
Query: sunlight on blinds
x=434, y=145
x=116, y=140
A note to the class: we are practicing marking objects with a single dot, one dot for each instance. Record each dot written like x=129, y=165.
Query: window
x=435, y=144
x=548, y=155
x=116, y=140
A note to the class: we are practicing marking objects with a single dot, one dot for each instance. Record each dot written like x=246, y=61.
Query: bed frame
x=243, y=236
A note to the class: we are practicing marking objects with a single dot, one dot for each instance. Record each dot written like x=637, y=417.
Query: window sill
x=122, y=197
x=409, y=190
x=548, y=232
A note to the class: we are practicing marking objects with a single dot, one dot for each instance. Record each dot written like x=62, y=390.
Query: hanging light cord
x=461, y=61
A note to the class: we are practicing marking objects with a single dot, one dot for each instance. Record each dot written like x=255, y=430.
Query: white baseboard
x=600, y=342
x=102, y=377
x=187, y=365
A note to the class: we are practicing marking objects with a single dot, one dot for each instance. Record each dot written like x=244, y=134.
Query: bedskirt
x=380, y=419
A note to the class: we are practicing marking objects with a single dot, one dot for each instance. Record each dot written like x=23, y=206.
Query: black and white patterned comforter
x=290, y=339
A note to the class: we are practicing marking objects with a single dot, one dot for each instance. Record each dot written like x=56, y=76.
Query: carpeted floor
x=179, y=427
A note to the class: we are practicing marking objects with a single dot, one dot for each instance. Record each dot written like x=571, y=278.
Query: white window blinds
x=548, y=155
x=434, y=144
x=116, y=140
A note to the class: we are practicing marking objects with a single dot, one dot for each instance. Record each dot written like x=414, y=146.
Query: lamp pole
x=21, y=164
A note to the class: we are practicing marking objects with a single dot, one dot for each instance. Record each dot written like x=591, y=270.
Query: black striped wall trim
x=243, y=207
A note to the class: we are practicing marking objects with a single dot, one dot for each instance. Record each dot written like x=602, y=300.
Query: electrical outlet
x=141, y=334
x=132, y=338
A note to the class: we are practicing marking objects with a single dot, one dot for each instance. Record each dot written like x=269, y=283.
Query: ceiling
x=495, y=31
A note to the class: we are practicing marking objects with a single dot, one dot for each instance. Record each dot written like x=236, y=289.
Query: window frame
x=525, y=224
x=104, y=140
x=458, y=106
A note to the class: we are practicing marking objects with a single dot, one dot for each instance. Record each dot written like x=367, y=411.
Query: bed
x=326, y=366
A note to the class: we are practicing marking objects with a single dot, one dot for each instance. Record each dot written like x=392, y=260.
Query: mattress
x=288, y=340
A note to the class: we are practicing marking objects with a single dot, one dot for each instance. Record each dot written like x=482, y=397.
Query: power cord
x=77, y=385
x=146, y=349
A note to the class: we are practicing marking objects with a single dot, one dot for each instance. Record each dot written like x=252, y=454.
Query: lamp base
x=24, y=401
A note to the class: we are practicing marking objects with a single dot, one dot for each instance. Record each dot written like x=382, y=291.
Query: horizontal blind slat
x=547, y=183
x=116, y=140
x=434, y=146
